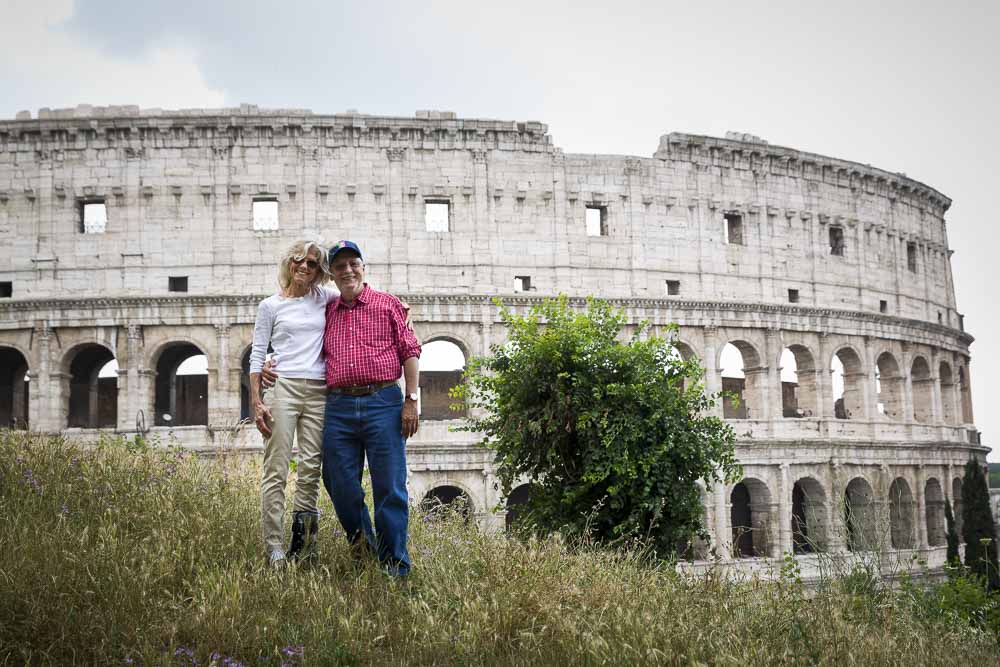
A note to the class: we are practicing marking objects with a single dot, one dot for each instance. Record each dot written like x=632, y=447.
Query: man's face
x=348, y=273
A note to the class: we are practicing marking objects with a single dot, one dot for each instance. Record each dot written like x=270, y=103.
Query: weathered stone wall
x=179, y=189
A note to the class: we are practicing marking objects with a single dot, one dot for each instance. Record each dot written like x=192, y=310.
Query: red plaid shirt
x=368, y=341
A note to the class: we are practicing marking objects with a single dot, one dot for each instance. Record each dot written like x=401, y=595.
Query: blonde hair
x=300, y=250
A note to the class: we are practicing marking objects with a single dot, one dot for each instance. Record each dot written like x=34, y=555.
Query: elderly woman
x=292, y=323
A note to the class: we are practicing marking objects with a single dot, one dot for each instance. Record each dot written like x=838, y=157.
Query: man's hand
x=409, y=320
x=263, y=419
x=410, y=419
x=267, y=375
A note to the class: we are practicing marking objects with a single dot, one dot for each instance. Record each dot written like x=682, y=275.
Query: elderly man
x=368, y=346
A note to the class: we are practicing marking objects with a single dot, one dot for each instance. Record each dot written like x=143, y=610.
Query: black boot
x=305, y=525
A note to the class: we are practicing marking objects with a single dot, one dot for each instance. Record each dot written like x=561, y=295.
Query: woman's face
x=305, y=269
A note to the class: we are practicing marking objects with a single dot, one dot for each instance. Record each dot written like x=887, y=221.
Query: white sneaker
x=276, y=559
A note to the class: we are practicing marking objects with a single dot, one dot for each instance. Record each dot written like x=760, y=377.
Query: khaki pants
x=297, y=406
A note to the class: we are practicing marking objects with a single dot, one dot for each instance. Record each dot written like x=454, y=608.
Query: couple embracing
x=339, y=356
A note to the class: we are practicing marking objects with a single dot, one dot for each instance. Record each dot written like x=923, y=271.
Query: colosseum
x=136, y=244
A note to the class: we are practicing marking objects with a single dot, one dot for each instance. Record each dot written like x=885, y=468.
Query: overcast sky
x=900, y=85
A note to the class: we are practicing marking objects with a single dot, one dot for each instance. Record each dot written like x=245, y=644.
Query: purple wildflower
x=64, y=510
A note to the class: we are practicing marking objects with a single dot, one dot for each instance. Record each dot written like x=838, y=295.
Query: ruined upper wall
x=179, y=188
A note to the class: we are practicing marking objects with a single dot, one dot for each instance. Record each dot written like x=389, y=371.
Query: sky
x=904, y=86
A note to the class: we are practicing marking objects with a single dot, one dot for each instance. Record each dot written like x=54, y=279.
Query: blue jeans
x=356, y=427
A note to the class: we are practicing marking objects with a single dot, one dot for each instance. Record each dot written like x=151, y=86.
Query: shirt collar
x=361, y=298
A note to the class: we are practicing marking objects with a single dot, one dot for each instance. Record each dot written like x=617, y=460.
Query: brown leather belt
x=360, y=389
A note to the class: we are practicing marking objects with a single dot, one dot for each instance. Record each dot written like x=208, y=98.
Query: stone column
x=784, y=511
x=723, y=532
x=836, y=529
x=921, y=518
x=483, y=232
x=870, y=385
x=771, y=391
x=222, y=414
x=398, y=274
x=937, y=409
x=824, y=379
x=44, y=388
x=713, y=374
x=907, y=384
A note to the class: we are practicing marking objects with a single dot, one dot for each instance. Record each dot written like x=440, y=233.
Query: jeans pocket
x=391, y=395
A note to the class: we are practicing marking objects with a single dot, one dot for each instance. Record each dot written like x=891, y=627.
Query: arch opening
x=860, y=516
x=958, y=508
x=949, y=413
x=847, y=379
x=889, y=384
x=518, y=497
x=798, y=382
x=750, y=516
x=809, y=517
x=901, y=513
x=181, y=389
x=742, y=376
x=965, y=393
x=923, y=391
x=445, y=500
x=93, y=388
x=442, y=364
x=14, y=389
x=934, y=507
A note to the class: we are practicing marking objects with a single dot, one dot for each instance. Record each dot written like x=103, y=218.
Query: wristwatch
x=411, y=397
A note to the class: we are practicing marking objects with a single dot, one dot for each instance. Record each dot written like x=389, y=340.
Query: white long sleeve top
x=294, y=329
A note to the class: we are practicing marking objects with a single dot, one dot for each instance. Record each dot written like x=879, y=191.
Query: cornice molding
x=20, y=306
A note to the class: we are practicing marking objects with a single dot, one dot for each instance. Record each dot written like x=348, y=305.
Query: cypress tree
x=952, y=535
x=978, y=528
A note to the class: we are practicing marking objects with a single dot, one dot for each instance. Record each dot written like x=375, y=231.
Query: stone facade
x=768, y=248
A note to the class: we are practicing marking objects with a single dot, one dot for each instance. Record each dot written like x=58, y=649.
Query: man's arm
x=411, y=381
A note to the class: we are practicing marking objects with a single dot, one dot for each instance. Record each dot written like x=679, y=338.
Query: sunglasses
x=310, y=263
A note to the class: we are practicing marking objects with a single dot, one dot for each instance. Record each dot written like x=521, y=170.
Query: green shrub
x=609, y=429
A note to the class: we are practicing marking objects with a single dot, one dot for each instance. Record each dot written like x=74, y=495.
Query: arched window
x=923, y=391
x=901, y=512
x=181, y=386
x=809, y=516
x=93, y=388
x=13, y=389
x=442, y=363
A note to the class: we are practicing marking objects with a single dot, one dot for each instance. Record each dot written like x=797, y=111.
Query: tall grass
x=119, y=554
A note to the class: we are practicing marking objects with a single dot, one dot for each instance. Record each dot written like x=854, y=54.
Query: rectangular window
x=883, y=306
x=793, y=296
x=673, y=287
x=940, y=318
x=911, y=256
x=597, y=220
x=265, y=214
x=93, y=216
x=6, y=289
x=522, y=283
x=437, y=216
x=837, y=241
x=177, y=284
x=734, y=228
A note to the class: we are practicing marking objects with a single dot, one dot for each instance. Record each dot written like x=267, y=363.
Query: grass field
x=121, y=554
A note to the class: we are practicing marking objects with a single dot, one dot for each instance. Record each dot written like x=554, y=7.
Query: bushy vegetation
x=978, y=527
x=610, y=428
x=127, y=553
